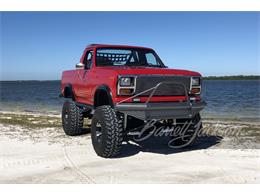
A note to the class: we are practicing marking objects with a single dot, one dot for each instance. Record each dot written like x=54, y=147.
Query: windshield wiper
x=137, y=64
x=143, y=64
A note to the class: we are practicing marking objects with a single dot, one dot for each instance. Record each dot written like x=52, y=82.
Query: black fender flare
x=68, y=92
x=103, y=89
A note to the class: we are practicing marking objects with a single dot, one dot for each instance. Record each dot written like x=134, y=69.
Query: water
x=232, y=99
x=226, y=99
x=31, y=96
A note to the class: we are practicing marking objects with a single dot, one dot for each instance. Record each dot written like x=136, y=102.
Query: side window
x=151, y=60
x=88, y=59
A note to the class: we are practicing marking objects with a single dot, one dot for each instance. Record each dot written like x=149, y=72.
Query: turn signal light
x=126, y=91
x=195, y=91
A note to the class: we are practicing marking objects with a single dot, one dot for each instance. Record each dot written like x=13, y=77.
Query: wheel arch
x=103, y=96
x=68, y=92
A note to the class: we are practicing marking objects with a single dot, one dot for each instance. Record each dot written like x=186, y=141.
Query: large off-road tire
x=191, y=133
x=106, y=132
x=72, y=119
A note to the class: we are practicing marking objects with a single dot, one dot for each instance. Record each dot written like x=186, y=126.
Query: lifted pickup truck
x=122, y=88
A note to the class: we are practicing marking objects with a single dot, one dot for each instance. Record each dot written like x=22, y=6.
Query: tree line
x=237, y=77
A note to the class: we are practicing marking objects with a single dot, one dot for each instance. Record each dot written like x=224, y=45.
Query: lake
x=232, y=99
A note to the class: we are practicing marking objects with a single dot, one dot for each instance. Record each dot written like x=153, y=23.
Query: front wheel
x=106, y=132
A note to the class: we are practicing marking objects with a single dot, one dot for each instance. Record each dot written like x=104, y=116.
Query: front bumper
x=163, y=110
x=166, y=110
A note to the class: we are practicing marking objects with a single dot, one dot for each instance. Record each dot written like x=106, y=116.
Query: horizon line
x=202, y=77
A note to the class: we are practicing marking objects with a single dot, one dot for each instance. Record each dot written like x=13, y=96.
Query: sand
x=31, y=154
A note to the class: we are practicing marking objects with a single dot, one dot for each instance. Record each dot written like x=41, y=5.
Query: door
x=84, y=79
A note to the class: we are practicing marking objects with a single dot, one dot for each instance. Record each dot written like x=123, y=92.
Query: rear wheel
x=106, y=132
x=72, y=119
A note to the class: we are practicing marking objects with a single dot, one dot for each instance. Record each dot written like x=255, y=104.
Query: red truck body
x=85, y=82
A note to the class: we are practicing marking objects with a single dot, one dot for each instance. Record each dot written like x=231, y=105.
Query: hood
x=126, y=70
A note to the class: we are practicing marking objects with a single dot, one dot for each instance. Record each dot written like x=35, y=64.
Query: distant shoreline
x=234, y=77
x=237, y=77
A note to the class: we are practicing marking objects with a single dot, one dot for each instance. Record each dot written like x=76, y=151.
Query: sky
x=40, y=45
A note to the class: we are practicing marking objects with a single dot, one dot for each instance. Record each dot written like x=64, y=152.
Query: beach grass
x=33, y=121
x=29, y=120
x=215, y=126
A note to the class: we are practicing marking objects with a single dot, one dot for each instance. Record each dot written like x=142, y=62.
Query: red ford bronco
x=121, y=88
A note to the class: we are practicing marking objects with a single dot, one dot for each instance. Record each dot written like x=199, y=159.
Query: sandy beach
x=34, y=149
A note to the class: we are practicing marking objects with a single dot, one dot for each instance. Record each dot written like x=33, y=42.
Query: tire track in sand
x=84, y=178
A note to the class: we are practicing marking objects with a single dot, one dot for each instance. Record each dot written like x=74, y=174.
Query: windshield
x=127, y=57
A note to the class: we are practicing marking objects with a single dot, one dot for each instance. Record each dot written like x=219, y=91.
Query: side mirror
x=80, y=66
